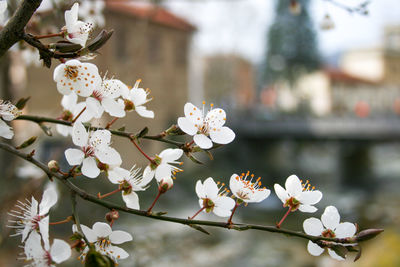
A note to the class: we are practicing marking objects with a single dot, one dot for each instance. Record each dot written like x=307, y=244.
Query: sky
x=240, y=26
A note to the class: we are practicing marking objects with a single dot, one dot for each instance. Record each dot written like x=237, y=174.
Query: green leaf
x=340, y=250
x=27, y=143
x=199, y=228
x=358, y=256
x=142, y=133
x=100, y=40
x=192, y=158
x=122, y=129
x=66, y=47
x=22, y=102
x=46, y=129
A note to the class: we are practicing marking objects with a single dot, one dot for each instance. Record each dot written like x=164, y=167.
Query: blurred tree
x=292, y=46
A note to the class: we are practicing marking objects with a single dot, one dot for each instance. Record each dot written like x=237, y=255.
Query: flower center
x=293, y=203
x=88, y=150
x=328, y=233
x=97, y=95
x=129, y=106
x=71, y=72
x=104, y=242
x=208, y=204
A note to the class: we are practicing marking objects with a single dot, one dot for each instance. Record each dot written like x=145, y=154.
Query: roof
x=339, y=76
x=154, y=13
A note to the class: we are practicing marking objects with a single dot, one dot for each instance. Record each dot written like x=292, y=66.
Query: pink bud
x=166, y=184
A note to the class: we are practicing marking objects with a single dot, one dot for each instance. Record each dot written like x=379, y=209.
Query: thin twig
x=235, y=226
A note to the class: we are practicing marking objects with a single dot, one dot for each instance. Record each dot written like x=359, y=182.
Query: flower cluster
x=87, y=96
x=32, y=223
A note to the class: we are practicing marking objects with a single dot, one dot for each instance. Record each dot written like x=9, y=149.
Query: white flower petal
x=199, y=189
x=202, y=141
x=313, y=226
x=216, y=118
x=94, y=107
x=109, y=155
x=89, y=168
x=119, y=252
x=307, y=208
x=60, y=251
x=144, y=112
x=44, y=231
x=5, y=130
x=193, y=113
x=79, y=135
x=138, y=96
x=221, y=212
x=114, y=108
x=222, y=135
x=131, y=200
x=314, y=249
x=345, y=229
x=89, y=233
x=224, y=202
x=334, y=255
x=187, y=126
x=260, y=195
x=309, y=197
x=170, y=155
x=118, y=174
x=101, y=229
x=281, y=193
x=234, y=184
x=64, y=130
x=210, y=188
x=163, y=171
x=100, y=139
x=293, y=186
x=74, y=156
x=330, y=218
x=119, y=237
x=68, y=102
x=148, y=173
x=49, y=199
x=33, y=247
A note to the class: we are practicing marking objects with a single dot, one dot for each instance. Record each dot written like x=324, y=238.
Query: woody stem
x=197, y=213
x=68, y=219
x=284, y=217
x=111, y=123
x=155, y=200
x=100, y=196
x=48, y=35
x=77, y=116
x=141, y=151
x=233, y=211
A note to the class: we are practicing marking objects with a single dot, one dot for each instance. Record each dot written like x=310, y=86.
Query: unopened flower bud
x=53, y=166
x=327, y=23
x=112, y=216
x=368, y=234
x=166, y=184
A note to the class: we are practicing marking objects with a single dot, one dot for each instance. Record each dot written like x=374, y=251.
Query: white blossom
x=59, y=251
x=77, y=77
x=94, y=145
x=104, y=98
x=135, y=99
x=328, y=226
x=211, y=199
x=205, y=127
x=104, y=239
x=92, y=11
x=77, y=31
x=8, y=112
x=32, y=217
x=71, y=110
x=297, y=195
x=129, y=181
x=162, y=165
x=247, y=190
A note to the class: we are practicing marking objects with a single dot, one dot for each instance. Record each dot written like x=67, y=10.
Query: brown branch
x=14, y=30
x=235, y=226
